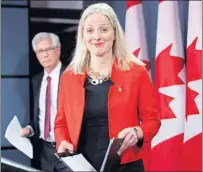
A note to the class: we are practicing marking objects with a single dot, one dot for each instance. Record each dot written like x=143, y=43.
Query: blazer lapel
x=119, y=89
x=81, y=97
x=116, y=77
x=36, y=101
x=61, y=71
x=76, y=96
x=38, y=86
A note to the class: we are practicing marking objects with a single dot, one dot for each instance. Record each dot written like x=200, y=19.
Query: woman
x=105, y=92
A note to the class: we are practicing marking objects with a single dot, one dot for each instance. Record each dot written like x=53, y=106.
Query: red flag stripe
x=193, y=122
x=132, y=3
x=169, y=80
x=161, y=1
x=135, y=31
x=135, y=36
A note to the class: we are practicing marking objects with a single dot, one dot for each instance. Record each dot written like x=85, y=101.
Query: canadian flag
x=170, y=86
x=135, y=31
x=192, y=154
x=135, y=36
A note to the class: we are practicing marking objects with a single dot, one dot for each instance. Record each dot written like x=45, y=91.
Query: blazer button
x=120, y=89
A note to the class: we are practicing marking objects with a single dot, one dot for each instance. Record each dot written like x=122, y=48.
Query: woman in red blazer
x=105, y=92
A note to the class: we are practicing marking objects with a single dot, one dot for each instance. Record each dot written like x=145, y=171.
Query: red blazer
x=134, y=102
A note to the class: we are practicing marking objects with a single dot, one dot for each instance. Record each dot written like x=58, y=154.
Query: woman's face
x=98, y=35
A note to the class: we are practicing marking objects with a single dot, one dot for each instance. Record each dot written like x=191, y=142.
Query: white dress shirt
x=55, y=76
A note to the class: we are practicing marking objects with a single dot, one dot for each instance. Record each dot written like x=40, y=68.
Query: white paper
x=106, y=155
x=12, y=134
x=78, y=163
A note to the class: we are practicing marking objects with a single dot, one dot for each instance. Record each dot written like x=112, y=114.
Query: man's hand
x=64, y=146
x=25, y=132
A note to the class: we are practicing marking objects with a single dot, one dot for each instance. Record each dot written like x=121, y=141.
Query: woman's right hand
x=64, y=146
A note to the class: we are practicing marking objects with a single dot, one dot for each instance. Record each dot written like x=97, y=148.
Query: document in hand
x=12, y=134
x=77, y=162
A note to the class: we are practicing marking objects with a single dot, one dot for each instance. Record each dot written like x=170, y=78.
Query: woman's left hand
x=131, y=137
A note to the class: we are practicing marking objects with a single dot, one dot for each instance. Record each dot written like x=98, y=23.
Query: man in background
x=47, y=48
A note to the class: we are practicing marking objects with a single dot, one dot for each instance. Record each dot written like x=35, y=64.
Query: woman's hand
x=64, y=146
x=131, y=136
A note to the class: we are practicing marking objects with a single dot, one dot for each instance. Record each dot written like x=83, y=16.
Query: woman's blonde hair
x=121, y=53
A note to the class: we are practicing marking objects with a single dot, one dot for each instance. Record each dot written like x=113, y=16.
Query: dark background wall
x=21, y=21
x=60, y=18
x=15, y=72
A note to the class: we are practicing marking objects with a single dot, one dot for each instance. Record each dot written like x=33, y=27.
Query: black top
x=94, y=138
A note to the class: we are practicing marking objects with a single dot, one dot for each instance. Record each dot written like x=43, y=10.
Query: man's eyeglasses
x=47, y=50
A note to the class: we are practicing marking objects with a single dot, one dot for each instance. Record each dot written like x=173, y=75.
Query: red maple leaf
x=193, y=72
x=132, y=3
x=167, y=68
x=164, y=109
x=194, y=62
x=147, y=64
x=161, y=1
x=166, y=74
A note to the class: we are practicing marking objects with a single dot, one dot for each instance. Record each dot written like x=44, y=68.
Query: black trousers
x=47, y=157
x=136, y=166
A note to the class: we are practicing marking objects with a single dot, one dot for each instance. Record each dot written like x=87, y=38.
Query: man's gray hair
x=45, y=35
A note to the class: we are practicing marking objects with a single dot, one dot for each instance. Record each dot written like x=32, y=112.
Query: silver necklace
x=95, y=81
x=96, y=78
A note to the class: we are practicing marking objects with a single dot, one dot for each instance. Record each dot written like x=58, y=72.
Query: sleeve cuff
x=140, y=143
x=31, y=129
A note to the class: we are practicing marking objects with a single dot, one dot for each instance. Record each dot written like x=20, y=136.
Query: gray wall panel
x=15, y=101
x=15, y=155
x=8, y=2
x=15, y=56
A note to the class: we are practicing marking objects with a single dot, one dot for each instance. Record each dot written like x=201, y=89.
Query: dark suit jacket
x=36, y=84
